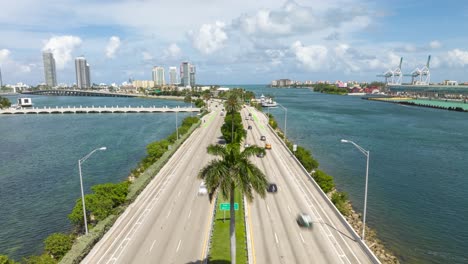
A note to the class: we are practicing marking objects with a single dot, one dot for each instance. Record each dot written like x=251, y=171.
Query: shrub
x=57, y=245
x=304, y=156
x=340, y=200
x=5, y=260
x=42, y=259
x=324, y=180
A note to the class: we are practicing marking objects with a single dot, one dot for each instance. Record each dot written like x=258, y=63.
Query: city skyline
x=50, y=74
x=239, y=42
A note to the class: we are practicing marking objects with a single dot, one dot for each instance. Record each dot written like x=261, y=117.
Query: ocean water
x=418, y=173
x=39, y=180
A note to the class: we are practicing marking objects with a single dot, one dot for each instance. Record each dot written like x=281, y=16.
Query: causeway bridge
x=69, y=92
x=96, y=110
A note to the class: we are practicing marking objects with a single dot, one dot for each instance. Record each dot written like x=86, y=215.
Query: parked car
x=267, y=146
x=262, y=138
x=272, y=188
x=304, y=220
x=202, y=190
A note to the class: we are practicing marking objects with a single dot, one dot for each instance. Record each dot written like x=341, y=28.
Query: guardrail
x=363, y=245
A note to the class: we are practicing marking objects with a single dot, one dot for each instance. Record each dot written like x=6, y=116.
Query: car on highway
x=246, y=145
x=304, y=220
x=249, y=127
x=202, y=190
x=267, y=146
x=262, y=138
x=261, y=155
x=272, y=188
x=250, y=114
x=221, y=114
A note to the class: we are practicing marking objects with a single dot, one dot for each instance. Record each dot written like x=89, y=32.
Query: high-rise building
x=83, y=79
x=50, y=74
x=173, y=75
x=158, y=75
x=184, y=73
x=192, y=75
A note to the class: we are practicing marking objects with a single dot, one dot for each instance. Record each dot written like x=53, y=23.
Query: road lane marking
x=189, y=214
x=251, y=234
x=179, y=192
x=289, y=209
x=170, y=211
x=178, y=246
x=152, y=245
x=276, y=238
x=303, y=241
x=268, y=208
x=207, y=232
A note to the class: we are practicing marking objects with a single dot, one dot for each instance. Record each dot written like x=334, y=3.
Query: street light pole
x=367, y=154
x=285, y=120
x=177, y=127
x=81, y=161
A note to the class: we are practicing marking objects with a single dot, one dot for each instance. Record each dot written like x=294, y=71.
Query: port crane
x=393, y=77
x=421, y=76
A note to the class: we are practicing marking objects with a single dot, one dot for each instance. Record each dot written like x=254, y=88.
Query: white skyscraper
x=83, y=79
x=158, y=75
x=185, y=74
x=50, y=74
x=173, y=75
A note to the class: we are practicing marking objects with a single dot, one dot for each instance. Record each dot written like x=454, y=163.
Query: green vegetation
x=220, y=249
x=4, y=102
x=340, y=200
x=329, y=89
x=324, y=180
x=42, y=259
x=5, y=260
x=305, y=157
x=57, y=245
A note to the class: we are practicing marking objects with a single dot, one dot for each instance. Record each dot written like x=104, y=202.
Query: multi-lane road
x=275, y=235
x=170, y=223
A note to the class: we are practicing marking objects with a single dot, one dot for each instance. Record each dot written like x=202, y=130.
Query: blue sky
x=234, y=42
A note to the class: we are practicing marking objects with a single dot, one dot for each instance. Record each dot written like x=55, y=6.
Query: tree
x=42, y=259
x=4, y=102
x=57, y=245
x=187, y=98
x=232, y=105
x=116, y=192
x=233, y=171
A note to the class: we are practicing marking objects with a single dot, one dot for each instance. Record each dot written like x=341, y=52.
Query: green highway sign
x=227, y=206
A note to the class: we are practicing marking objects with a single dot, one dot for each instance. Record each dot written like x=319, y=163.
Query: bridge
x=65, y=92
x=96, y=110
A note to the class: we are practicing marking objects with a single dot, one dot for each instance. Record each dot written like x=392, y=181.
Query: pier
x=65, y=92
x=96, y=110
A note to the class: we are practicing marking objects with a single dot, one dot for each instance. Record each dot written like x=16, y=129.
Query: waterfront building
x=50, y=74
x=158, y=75
x=185, y=73
x=143, y=84
x=173, y=75
x=83, y=79
x=192, y=75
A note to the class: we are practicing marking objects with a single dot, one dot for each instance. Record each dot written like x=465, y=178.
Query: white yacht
x=24, y=102
x=267, y=102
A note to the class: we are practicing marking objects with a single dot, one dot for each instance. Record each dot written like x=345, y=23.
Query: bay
x=39, y=181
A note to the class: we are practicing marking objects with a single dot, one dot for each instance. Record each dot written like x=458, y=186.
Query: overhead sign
x=294, y=147
x=227, y=206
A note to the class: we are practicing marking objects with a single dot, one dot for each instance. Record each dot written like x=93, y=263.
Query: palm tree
x=233, y=105
x=233, y=171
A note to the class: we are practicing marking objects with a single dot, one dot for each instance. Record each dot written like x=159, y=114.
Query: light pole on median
x=367, y=154
x=81, y=161
x=285, y=119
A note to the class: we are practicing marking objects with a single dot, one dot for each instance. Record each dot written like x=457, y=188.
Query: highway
x=275, y=235
x=168, y=222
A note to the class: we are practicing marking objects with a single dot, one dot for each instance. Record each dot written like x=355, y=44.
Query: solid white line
x=178, y=245
x=169, y=213
x=302, y=238
x=268, y=208
x=276, y=238
x=152, y=245
x=189, y=214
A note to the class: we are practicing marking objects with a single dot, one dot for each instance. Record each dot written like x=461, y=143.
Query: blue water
x=39, y=181
x=418, y=182
x=418, y=176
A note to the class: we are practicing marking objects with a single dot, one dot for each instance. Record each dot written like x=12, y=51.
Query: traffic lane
x=284, y=199
x=327, y=216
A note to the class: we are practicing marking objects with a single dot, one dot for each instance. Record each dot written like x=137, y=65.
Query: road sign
x=227, y=206
x=294, y=147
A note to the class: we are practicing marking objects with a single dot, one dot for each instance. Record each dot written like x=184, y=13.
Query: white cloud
x=62, y=48
x=112, y=46
x=4, y=54
x=173, y=51
x=210, y=37
x=146, y=56
x=313, y=57
x=457, y=57
x=435, y=44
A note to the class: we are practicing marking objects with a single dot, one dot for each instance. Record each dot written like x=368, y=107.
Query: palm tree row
x=233, y=171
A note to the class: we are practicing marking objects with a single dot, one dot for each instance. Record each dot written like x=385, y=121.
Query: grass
x=220, y=251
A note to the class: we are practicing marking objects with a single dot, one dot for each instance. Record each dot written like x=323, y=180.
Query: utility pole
x=1, y=80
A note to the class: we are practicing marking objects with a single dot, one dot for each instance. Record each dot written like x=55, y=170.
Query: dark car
x=261, y=155
x=304, y=220
x=250, y=114
x=272, y=188
x=249, y=127
x=262, y=138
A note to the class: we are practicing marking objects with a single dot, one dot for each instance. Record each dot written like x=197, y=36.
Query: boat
x=24, y=102
x=267, y=102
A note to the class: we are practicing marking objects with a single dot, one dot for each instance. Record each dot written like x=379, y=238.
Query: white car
x=202, y=190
